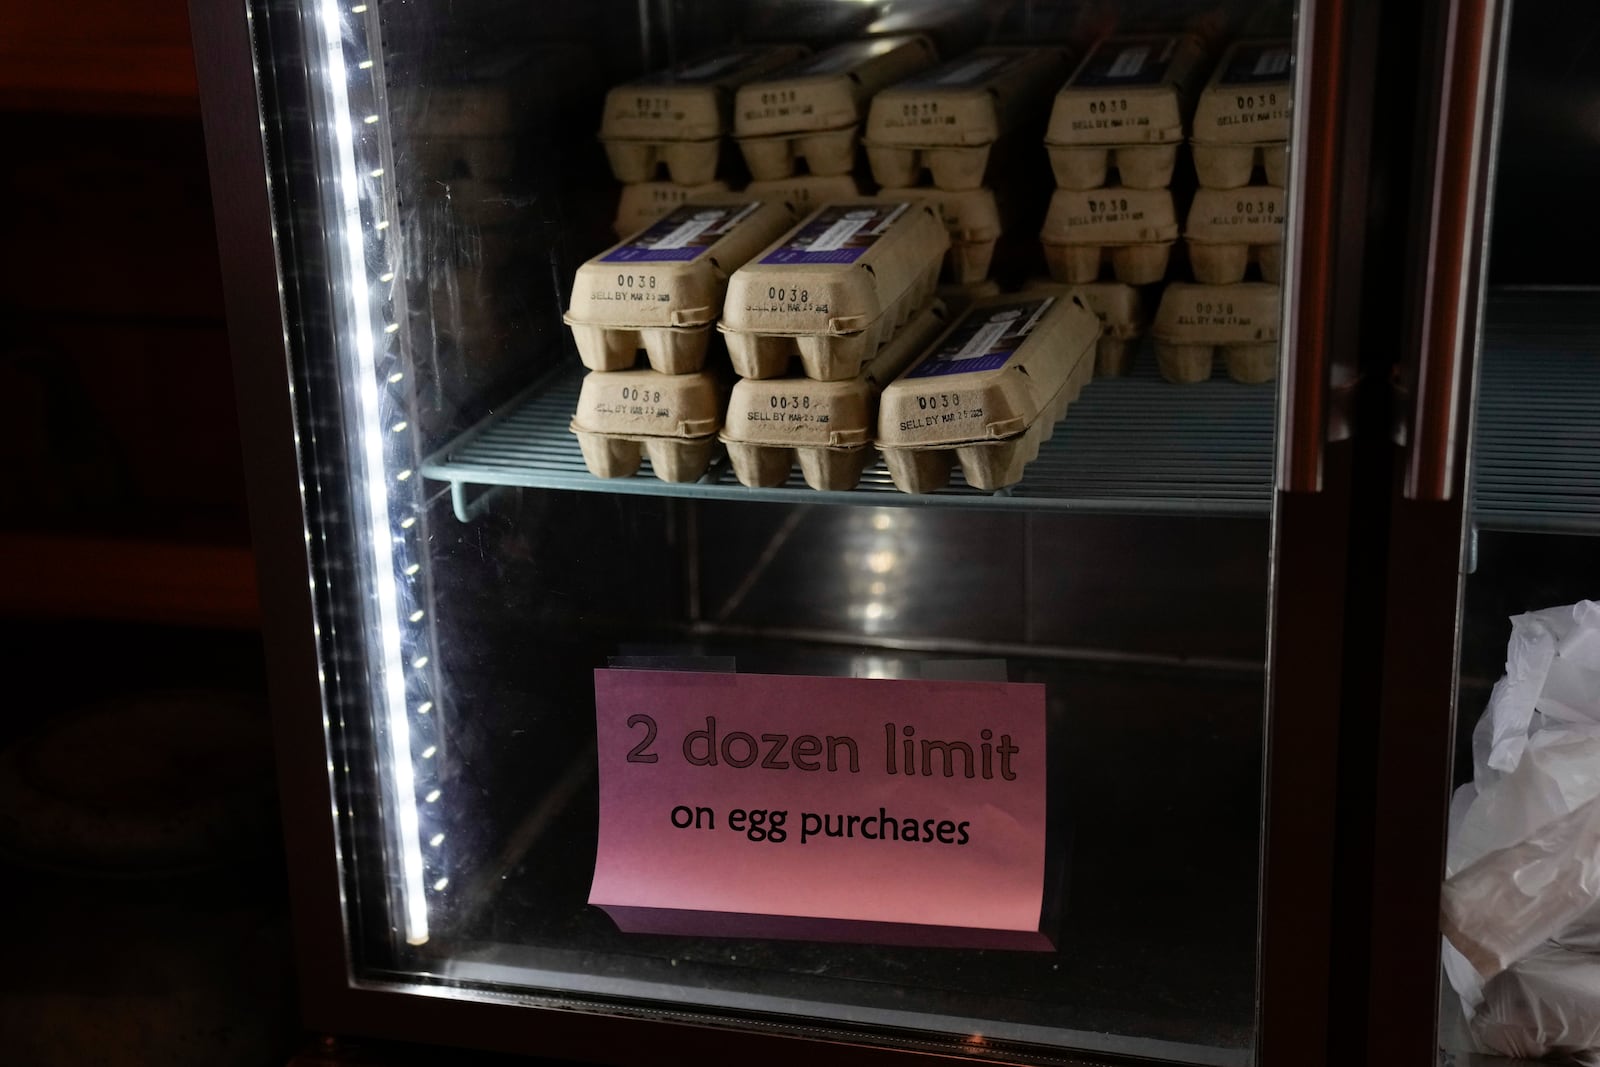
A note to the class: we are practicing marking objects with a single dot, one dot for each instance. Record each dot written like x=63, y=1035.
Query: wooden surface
x=128, y=501
x=126, y=579
x=98, y=56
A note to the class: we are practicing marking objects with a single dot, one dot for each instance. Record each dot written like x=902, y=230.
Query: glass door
x=1486, y=821
x=872, y=435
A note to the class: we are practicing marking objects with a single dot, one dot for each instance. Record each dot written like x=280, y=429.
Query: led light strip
x=374, y=474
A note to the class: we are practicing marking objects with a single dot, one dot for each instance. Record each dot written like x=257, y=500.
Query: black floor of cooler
x=1155, y=790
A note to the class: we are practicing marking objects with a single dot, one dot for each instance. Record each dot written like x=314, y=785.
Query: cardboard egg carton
x=1125, y=108
x=806, y=192
x=988, y=393
x=624, y=416
x=827, y=426
x=1242, y=120
x=812, y=110
x=644, y=202
x=662, y=288
x=678, y=117
x=971, y=217
x=833, y=289
x=1132, y=229
x=1195, y=321
x=947, y=120
x=1228, y=229
x=1123, y=320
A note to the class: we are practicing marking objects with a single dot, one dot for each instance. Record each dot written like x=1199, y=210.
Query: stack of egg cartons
x=846, y=294
x=676, y=120
x=1122, y=111
x=660, y=290
x=956, y=123
x=1240, y=145
x=799, y=127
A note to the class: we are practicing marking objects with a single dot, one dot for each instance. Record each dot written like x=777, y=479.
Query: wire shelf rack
x=1128, y=445
x=1536, y=449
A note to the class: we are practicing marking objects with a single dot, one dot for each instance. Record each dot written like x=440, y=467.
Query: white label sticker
x=972, y=70
x=836, y=236
x=1274, y=62
x=700, y=223
x=1129, y=62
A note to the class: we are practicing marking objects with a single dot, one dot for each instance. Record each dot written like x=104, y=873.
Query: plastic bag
x=1546, y=1005
x=1499, y=909
x=1521, y=901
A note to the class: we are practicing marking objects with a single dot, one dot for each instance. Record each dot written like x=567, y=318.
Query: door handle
x=1460, y=162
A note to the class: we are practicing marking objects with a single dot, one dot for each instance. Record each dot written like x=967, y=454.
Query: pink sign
x=848, y=809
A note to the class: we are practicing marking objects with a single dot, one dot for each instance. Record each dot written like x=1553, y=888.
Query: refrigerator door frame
x=1428, y=543
x=252, y=159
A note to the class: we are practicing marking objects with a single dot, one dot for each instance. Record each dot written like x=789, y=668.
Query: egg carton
x=1250, y=97
x=806, y=192
x=1195, y=322
x=686, y=162
x=826, y=426
x=1125, y=107
x=1242, y=119
x=624, y=416
x=1123, y=321
x=692, y=101
x=986, y=465
x=971, y=217
x=1231, y=166
x=833, y=289
x=1131, y=229
x=813, y=109
x=826, y=357
x=946, y=121
x=827, y=153
x=988, y=393
x=677, y=118
x=671, y=459
x=645, y=202
x=1138, y=166
x=1227, y=230
x=663, y=287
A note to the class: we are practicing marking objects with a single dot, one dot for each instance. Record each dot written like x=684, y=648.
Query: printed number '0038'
x=784, y=403
x=636, y=281
x=778, y=292
x=649, y=396
x=1245, y=103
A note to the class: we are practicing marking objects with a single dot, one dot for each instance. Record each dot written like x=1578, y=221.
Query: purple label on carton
x=682, y=235
x=1258, y=64
x=839, y=233
x=1123, y=61
x=985, y=339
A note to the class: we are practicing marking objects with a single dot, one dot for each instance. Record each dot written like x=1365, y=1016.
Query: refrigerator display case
x=482, y=597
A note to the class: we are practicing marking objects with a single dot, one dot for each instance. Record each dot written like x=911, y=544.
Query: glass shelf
x=1128, y=445
x=1536, y=455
